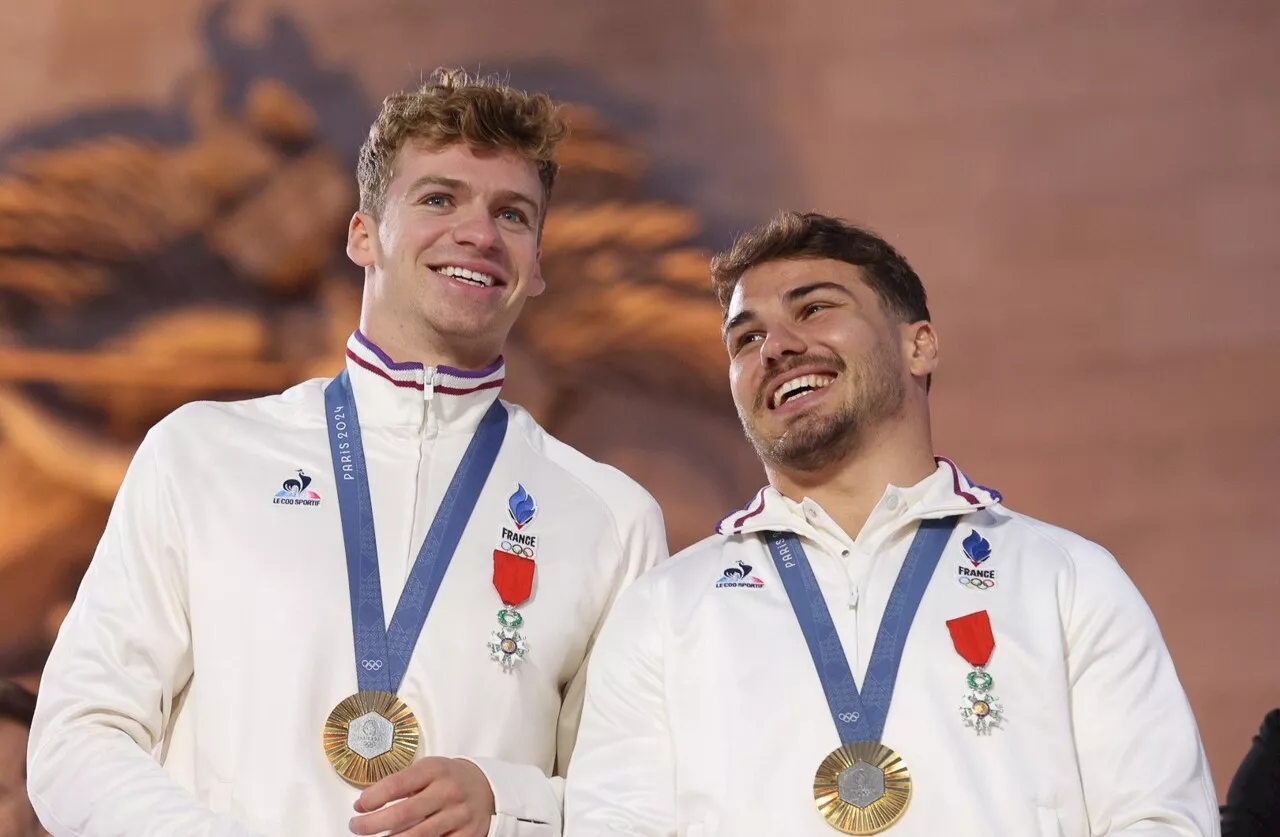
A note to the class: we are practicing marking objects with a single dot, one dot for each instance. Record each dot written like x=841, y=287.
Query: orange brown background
x=1090, y=191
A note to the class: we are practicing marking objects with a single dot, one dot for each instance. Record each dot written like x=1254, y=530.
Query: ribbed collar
x=395, y=393
x=947, y=491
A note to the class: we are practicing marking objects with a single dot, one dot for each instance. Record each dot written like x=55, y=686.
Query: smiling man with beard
x=910, y=655
x=363, y=605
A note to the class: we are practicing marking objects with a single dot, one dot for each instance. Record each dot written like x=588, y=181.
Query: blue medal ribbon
x=859, y=716
x=382, y=652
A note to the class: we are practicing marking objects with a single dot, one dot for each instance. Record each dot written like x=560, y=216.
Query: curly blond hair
x=452, y=107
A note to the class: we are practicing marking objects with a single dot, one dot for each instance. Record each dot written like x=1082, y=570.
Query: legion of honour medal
x=513, y=570
x=980, y=710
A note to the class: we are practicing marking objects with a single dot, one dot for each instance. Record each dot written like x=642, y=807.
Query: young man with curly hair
x=289, y=625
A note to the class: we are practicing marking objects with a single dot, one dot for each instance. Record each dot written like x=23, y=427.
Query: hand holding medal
x=434, y=797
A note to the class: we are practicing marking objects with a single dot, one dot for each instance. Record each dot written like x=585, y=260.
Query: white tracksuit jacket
x=189, y=685
x=704, y=716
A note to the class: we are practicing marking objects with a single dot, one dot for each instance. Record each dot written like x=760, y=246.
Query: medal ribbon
x=382, y=652
x=972, y=638
x=512, y=577
x=859, y=716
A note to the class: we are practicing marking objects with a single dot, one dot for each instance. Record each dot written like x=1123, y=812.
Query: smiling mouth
x=796, y=387
x=467, y=276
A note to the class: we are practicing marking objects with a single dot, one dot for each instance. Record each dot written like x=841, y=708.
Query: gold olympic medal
x=370, y=736
x=862, y=788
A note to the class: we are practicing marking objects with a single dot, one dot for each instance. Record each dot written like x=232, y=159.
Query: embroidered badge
x=977, y=549
x=522, y=507
x=294, y=492
x=739, y=576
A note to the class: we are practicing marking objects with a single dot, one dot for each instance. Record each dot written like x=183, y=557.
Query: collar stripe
x=750, y=514
x=408, y=366
x=943, y=496
x=449, y=380
x=476, y=388
x=467, y=373
x=955, y=481
x=377, y=370
x=414, y=366
x=741, y=516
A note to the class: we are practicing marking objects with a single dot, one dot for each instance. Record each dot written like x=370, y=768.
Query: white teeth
x=803, y=382
x=471, y=277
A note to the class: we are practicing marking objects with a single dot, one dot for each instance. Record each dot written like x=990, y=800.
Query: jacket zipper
x=430, y=379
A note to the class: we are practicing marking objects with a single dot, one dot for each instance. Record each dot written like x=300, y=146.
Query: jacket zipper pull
x=429, y=382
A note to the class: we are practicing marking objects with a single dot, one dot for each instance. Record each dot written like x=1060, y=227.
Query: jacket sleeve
x=528, y=802
x=1142, y=763
x=622, y=778
x=121, y=658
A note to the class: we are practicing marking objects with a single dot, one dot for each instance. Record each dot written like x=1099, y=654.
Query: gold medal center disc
x=370, y=736
x=862, y=788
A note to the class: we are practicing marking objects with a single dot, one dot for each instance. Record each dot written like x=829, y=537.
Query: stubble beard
x=811, y=443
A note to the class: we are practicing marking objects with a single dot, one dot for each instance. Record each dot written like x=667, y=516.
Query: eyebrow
x=736, y=320
x=507, y=196
x=793, y=295
x=436, y=180
x=512, y=196
x=804, y=290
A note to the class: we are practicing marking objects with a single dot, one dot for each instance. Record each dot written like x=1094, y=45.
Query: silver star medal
x=507, y=646
x=981, y=710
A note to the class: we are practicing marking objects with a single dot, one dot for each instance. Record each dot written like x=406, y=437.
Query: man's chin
x=806, y=445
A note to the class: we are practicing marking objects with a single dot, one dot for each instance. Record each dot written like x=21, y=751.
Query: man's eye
x=749, y=337
x=437, y=200
x=515, y=216
x=814, y=307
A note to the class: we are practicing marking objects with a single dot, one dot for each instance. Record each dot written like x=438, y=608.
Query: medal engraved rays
x=862, y=788
x=370, y=736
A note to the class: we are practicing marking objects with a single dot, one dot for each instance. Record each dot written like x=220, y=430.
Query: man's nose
x=477, y=229
x=781, y=343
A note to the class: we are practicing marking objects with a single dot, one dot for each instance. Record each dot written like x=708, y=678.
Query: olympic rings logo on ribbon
x=976, y=583
x=517, y=549
x=849, y=717
x=371, y=665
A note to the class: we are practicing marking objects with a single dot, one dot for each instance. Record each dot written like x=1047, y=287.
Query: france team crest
x=977, y=549
x=522, y=507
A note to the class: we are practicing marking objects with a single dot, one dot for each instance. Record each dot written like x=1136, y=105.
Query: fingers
x=448, y=822
x=442, y=800
x=401, y=785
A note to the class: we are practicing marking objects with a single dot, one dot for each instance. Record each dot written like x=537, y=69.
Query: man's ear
x=361, y=235
x=536, y=283
x=921, y=348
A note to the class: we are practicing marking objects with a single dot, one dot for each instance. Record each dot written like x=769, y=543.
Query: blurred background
x=1089, y=189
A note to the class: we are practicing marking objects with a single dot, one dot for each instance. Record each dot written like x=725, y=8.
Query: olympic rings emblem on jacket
x=976, y=583
x=371, y=665
x=517, y=549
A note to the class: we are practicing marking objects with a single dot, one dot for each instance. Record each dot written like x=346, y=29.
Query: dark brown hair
x=795, y=235
x=454, y=107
